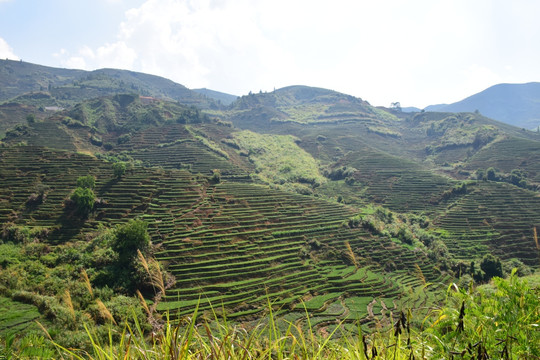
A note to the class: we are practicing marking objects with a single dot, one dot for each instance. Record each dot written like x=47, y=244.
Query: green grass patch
x=278, y=159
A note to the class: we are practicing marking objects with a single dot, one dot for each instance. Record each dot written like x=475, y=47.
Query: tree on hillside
x=480, y=174
x=491, y=174
x=396, y=106
x=129, y=238
x=84, y=200
x=216, y=176
x=129, y=272
x=491, y=266
x=86, y=182
x=119, y=169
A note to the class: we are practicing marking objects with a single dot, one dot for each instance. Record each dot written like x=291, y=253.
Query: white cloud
x=6, y=52
x=196, y=43
x=116, y=55
x=417, y=52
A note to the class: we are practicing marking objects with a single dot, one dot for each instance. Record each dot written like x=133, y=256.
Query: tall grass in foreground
x=498, y=321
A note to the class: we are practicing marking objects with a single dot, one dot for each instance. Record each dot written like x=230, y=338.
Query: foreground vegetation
x=499, y=320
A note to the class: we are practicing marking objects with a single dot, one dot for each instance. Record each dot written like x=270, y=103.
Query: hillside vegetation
x=124, y=209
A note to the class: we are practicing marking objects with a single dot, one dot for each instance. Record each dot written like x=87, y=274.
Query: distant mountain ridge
x=224, y=98
x=514, y=104
x=69, y=86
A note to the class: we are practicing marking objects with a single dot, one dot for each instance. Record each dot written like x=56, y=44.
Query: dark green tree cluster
x=216, y=176
x=456, y=190
x=191, y=115
x=122, y=139
x=129, y=238
x=31, y=118
x=516, y=177
x=339, y=173
x=83, y=196
x=119, y=169
x=121, y=267
x=88, y=182
x=490, y=266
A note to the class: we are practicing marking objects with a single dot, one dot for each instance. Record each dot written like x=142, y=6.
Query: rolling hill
x=71, y=86
x=514, y=104
x=225, y=99
x=299, y=197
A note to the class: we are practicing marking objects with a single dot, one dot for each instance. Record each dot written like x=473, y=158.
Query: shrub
x=122, y=139
x=456, y=190
x=232, y=143
x=491, y=266
x=10, y=254
x=129, y=238
x=86, y=182
x=16, y=234
x=95, y=140
x=438, y=253
x=480, y=174
x=405, y=235
x=119, y=169
x=339, y=173
x=521, y=268
x=31, y=118
x=84, y=200
x=38, y=196
x=216, y=176
x=491, y=174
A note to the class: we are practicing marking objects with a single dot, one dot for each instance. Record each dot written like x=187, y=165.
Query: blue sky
x=418, y=52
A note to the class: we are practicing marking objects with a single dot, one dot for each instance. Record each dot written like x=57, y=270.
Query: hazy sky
x=412, y=51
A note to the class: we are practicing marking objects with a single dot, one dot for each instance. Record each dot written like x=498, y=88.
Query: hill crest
x=71, y=86
x=514, y=104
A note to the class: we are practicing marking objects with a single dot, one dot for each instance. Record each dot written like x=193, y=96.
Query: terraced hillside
x=324, y=204
x=396, y=183
x=235, y=244
x=13, y=114
x=509, y=154
x=198, y=148
x=303, y=105
x=154, y=131
x=297, y=239
x=493, y=217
